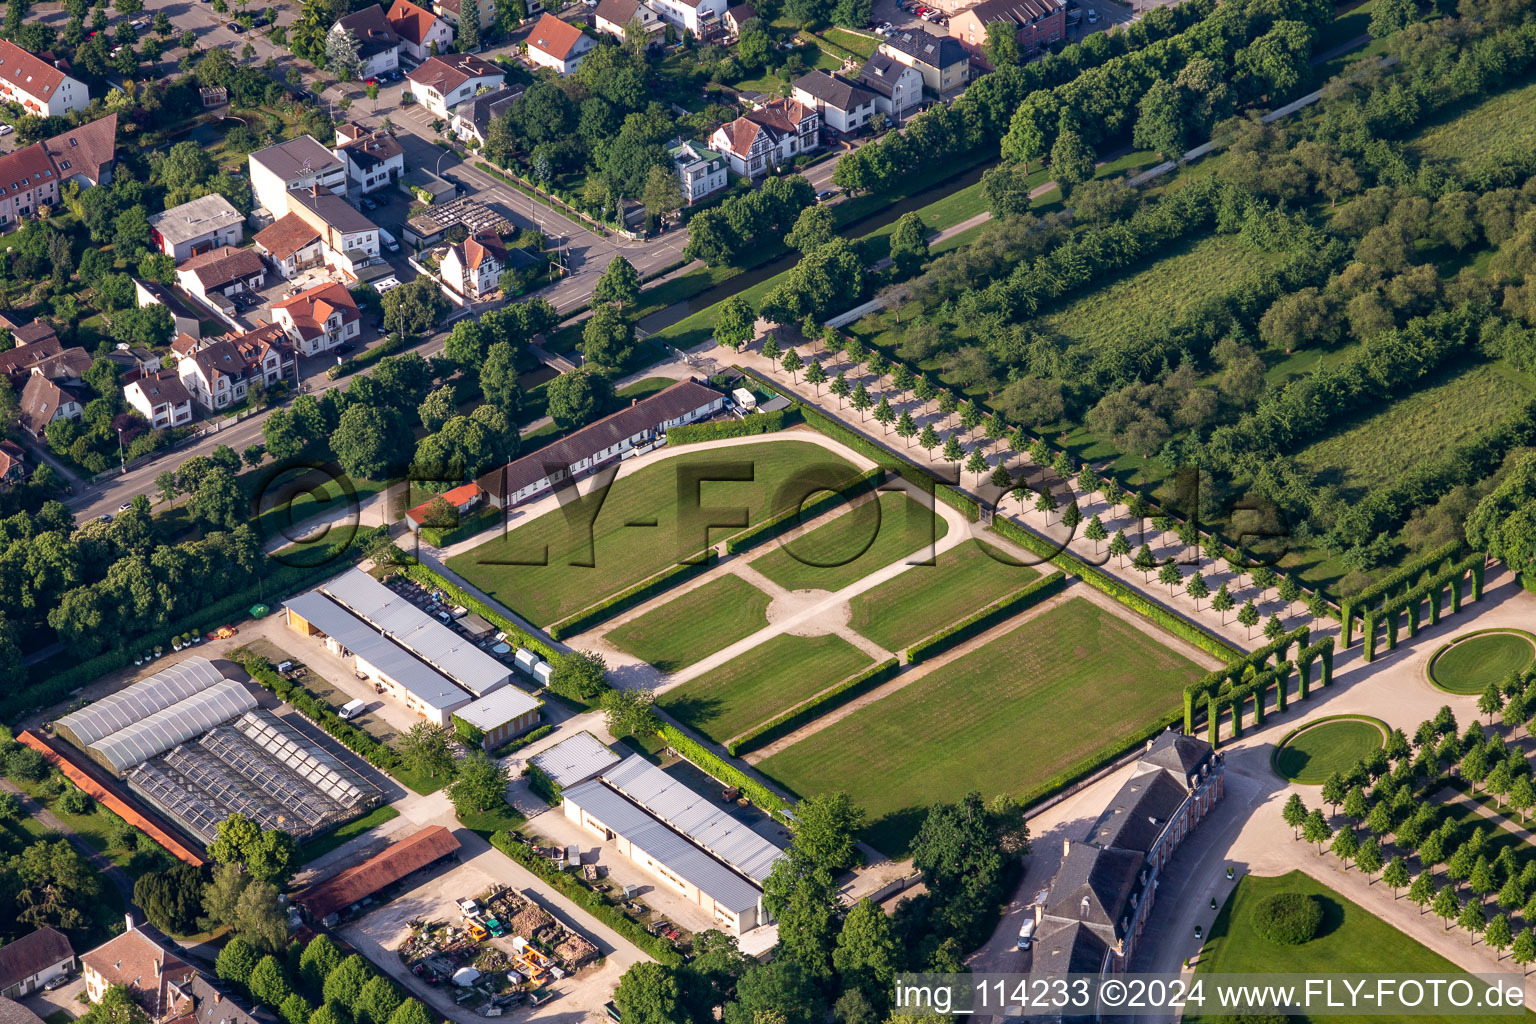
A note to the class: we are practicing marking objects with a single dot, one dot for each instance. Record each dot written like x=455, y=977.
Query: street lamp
x=121, y=458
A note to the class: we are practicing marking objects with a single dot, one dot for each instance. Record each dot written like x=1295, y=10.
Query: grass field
x=925, y=599
x=853, y=42
x=578, y=559
x=1469, y=666
x=1417, y=428
x=694, y=625
x=1072, y=683
x=1318, y=751
x=1159, y=292
x=1499, y=124
x=1350, y=940
x=758, y=685
x=853, y=545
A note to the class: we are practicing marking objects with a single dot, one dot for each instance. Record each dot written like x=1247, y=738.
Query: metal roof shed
x=575, y=760
x=137, y=702
x=176, y=724
x=499, y=708
x=694, y=816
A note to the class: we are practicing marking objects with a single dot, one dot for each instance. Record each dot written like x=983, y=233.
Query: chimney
x=128, y=920
x=217, y=997
x=1066, y=847
x=634, y=402
x=314, y=188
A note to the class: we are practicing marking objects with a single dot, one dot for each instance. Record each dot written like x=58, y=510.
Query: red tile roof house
x=291, y=243
x=773, y=134
x=43, y=401
x=31, y=176
x=421, y=32
x=319, y=319
x=472, y=269
x=442, y=83
x=216, y=375
x=557, y=44
x=38, y=86
x=35, y=959
x=13, y=465
x=463, y=499
x=139, y=962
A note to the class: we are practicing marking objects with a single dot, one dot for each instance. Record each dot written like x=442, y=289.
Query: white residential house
x=378, y=45
x=297, y=163
x=161, y=398
x=374, y=159
x=422, y=33
x=196, y=227
x=220, y=273
x=701, y=172
x=44, y=400
x=941, y=60
x=614, y=16
x=844, y=107
x=449, y=11
x=318, y=319
x=557, y=44
x=700, y=18
x=37, y=85
x=35, y=959
x=764, y=138
x=472, y=119
x=350, y=240
x=216, y=375
x=897, y=87
x=442, y=83
x=472, y=268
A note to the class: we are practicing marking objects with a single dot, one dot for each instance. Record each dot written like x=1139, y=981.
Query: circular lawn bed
x=1312, y=753
x=1469, y=663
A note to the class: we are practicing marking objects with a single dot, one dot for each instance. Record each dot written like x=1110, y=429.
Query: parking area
x=577, y=998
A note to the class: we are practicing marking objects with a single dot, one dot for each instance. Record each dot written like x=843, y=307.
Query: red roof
x=461, y=495
x=396, y=862
x=28, y=72
x=311, y=309
x=554, y=37
x=411, y=22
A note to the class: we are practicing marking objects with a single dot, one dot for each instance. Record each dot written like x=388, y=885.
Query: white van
x=351, y=709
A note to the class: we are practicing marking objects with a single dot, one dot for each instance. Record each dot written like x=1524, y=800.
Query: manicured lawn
x=323, y=844
x=1073, y=684
x=1350, y=940
x=487, y=823
x=1318, y=751
x=1159, y=292
x=761, y=683
x=573, y=560
x=1470, y=665
x=1417, y=428
x=853, y=545
x=853, y=42
x=1499, y=124
x=694, y=625
x=925, y=599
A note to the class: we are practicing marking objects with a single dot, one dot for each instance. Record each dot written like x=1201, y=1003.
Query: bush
x=757, y=423
x=986, y=618
x=1288, y=918
x=544, y=787
x=396, y=342
x=793, y=719
x=442, y=536
x=627, y=599
x=593, y=903
x=511, y=746
x=317, y=711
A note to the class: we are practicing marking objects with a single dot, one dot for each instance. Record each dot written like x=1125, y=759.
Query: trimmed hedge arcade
x=635, y=595
x=713, y=764
x=593, y=903
x=987, y=617
x=428, y=578
x=1374, y=594
x=1432, y=589
x=1175, y=624
x=788, y=520
x=756, y=423
x=1239, y=668
x=813, y=709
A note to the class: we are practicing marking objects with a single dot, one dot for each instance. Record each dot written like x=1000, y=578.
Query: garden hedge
x=570, y=886
x=794, y=718
x=782, y=523
x=544, y=787
x=1410, y=601
x=283, y=582
x=430, y=578
x=756, y=423
x=987, y=617
x=635, y=595
x=396, y=342
x=1175, y=624
x=1372, y=595
x=307, y=704
x=714, y=765
x=511, y=746
x=1288, y=918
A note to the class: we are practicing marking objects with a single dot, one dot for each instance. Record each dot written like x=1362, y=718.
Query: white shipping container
x=525, y=660
x=542, y=672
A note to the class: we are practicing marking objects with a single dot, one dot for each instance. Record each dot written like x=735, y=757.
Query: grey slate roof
x=676, y=853
x=833, y=90
x=196, y=218
x=332, y=209
x=681, y=808
x=1180, y=754
x=938, y=51
x=296, y=158
x=880, y=72
x=418, y=632
x=1139, y=811
x=1068, y=949
x=1094, y=886
x=486, y=107
x=575, y=760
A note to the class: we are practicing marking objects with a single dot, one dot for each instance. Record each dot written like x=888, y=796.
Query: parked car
x=369, y=204
x=825, y=194
x=235, y=27
x=105, y=517
x=57, y=983
x=125, y=506
x=345, y=347
x=6, y=129
x=1093, y=16
x=140, y=25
